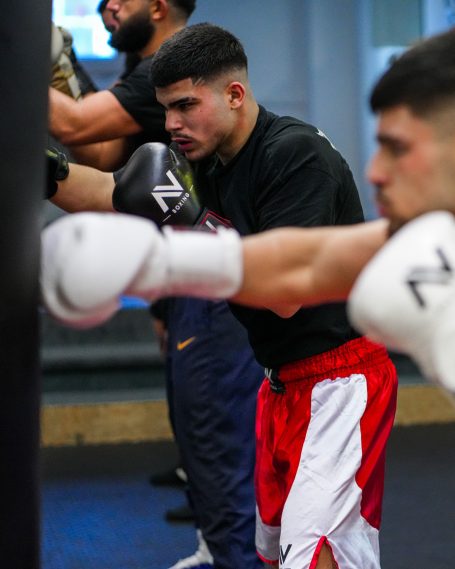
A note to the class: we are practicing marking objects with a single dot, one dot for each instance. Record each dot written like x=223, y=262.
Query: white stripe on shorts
x=324, y=499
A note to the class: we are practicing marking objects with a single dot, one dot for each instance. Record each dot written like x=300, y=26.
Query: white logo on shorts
x=284, y=554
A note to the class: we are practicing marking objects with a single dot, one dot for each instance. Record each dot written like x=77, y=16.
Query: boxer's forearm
x=96, y=118
x=292, y=266
x=107, y=156
x=64, y=116
x=85, y=189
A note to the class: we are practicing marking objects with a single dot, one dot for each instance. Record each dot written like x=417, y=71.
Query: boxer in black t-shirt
x=325, y=413
x=331, y=394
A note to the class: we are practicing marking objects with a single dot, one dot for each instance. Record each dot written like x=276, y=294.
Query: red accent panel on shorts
x=375, y=427
x=278, y=448
x=282, y=422
x=352, y=357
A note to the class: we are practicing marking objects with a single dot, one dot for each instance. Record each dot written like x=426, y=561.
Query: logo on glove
x=171, y=191
x=429, y=275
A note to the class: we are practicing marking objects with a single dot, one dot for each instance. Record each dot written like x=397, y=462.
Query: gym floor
x=99, y=510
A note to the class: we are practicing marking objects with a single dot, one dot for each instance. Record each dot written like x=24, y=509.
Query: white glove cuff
x=195, y=263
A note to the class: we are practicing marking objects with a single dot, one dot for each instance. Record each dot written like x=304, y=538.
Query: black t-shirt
x=136, y=94
x=287, y=174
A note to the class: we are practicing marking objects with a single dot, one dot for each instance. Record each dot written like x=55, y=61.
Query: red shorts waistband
x=357, y=353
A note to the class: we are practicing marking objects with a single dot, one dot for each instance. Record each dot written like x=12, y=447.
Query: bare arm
x=85, y=189
x=293, y=266
x=107, y=156
x=95, y=118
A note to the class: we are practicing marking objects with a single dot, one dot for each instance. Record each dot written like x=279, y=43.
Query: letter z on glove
x=405, y=296
x=158, y=183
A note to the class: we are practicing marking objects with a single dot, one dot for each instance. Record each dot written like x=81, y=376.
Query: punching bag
x=24, y=72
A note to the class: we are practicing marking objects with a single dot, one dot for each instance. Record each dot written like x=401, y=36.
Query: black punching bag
x=24, y=72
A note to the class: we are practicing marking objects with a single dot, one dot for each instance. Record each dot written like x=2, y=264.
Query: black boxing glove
x=158, y=183
x=57, y=169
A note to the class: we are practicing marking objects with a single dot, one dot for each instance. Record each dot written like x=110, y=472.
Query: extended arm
x=306, y=266
x=403, y=297
x=106, y=156
x=89, y=260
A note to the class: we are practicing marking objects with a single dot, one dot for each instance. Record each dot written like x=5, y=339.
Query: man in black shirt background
x=120, y=118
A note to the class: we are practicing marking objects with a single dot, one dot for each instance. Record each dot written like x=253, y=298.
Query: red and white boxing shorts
x=320, y=457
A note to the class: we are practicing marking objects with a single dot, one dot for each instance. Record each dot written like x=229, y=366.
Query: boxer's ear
x=236, y=94
x=159, y=9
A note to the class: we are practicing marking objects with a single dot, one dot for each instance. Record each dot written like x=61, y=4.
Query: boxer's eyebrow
x=182, y=101
x=385, y=138
x=392, y=142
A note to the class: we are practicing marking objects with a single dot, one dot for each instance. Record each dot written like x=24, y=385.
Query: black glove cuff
x=57, y=170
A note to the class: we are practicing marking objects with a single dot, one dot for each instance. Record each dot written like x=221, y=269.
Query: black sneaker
x=180, y=514
x=173, y=477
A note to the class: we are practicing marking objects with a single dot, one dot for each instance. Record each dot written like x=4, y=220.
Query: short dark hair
x=198, y=51
x=422, y=78
x=185, y=6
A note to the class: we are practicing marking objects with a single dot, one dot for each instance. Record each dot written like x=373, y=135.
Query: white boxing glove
x=89, y=260
x=405, y=296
